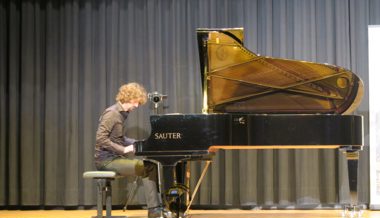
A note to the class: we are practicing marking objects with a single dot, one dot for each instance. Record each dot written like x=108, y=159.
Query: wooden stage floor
x=192, y=213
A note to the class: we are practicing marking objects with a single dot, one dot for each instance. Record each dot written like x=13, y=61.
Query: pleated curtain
x=61, y=63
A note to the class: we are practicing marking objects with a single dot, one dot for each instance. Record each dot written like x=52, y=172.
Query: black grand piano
x=255, y=102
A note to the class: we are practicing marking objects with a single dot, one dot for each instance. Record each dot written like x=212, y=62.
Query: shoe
x=156, y=212
x=159, y=212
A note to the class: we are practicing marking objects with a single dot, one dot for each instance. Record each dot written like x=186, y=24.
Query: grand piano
x=255, y=102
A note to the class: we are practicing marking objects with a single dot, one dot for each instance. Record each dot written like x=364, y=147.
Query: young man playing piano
x=115, y=152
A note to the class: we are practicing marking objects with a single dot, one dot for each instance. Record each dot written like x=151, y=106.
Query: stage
x=193, y=213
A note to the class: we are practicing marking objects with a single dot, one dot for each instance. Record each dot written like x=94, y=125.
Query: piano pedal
x=175, y=201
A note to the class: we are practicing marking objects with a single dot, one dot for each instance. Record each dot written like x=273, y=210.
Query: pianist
x=115, y=152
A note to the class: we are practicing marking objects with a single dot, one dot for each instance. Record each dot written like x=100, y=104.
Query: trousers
x=135, y=167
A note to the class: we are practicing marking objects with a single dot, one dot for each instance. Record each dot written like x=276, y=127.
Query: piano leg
x=183, y=177
x=173, y=193
x=172, y=173
x=353, y=209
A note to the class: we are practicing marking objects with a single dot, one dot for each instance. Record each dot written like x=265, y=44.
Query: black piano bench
x=103, y=181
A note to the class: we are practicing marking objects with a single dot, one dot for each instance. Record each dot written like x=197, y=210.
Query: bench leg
x=105, y=189
x=99, y=203
x=108, y=190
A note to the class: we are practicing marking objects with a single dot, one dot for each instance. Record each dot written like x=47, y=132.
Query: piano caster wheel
x=352, y=211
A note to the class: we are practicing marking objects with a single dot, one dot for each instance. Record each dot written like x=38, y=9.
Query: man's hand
x=129, y=148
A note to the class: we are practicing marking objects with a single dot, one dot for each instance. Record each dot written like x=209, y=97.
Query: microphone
x=156, y=98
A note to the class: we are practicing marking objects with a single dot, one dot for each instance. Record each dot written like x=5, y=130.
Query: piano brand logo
x=167, y=135
x=240, y=120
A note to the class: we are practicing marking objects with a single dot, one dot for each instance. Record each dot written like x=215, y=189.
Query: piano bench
x=103, y=181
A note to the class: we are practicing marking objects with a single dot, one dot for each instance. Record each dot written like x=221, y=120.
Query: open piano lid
x=238, y=80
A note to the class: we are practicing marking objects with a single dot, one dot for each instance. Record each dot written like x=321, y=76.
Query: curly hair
x=132, y=91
